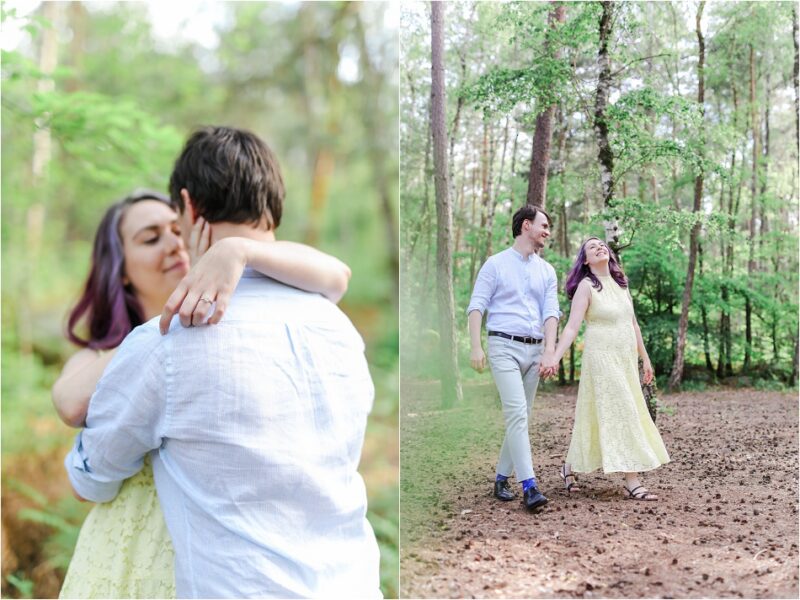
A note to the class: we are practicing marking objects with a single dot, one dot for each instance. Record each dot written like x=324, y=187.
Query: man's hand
x=477, y=359
x=549, y=365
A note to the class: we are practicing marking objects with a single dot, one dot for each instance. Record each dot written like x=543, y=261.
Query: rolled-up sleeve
x=484, y=289
x=551, y=297
x=125, y=421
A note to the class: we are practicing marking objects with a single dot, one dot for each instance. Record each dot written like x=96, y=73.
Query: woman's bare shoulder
x=80, y=359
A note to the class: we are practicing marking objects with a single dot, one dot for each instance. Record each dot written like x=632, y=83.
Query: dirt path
x=726, y=524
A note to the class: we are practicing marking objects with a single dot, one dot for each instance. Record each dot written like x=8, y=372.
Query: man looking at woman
x=518, y=289
x=612, y=428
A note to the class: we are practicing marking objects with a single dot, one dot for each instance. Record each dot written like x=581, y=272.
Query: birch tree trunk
x=605, y=156
x=42, y=153
x=448, y=364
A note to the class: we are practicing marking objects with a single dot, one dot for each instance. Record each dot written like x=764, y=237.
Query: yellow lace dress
x=612, y=429
x=124, y=549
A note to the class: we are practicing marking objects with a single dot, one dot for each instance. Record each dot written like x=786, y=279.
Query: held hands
x=549, y=365
x=215, y=272
x=477, y=359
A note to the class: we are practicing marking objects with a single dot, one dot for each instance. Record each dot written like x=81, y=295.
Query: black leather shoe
x=502, y=491
x=533, y=498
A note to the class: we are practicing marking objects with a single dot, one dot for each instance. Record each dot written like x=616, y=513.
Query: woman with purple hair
x=139, y=262
x=613, y=429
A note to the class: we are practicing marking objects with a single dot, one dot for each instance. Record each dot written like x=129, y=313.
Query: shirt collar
x=516, y=253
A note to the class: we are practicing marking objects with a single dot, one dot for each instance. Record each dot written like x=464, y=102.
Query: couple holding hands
x=612, y=429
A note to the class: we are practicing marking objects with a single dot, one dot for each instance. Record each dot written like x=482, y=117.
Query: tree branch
x=626, y=65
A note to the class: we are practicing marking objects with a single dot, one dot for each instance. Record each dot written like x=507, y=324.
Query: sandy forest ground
x=726, y=524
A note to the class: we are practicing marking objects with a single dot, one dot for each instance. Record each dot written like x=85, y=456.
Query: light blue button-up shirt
x=255, y=427
x=520, y=294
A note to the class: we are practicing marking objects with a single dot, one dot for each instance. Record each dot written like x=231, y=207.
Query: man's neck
x=524, y=247
x=246, y=230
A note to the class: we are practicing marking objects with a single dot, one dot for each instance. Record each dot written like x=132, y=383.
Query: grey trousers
x=515, y=368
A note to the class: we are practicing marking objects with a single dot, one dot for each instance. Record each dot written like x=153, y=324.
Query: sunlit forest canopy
x=694, y=162
x=98, y=99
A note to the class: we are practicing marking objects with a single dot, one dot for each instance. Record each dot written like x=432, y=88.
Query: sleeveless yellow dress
x=612, y=429
x=124, y=549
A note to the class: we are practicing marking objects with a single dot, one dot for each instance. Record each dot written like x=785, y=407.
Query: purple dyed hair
x=110, y=308
x=580, y=270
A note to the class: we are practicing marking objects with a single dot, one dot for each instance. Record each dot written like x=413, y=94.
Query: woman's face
x=155, y=257
x=596, y=252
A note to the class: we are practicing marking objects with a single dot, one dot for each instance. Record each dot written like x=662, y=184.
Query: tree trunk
x=78, y=20
x=473, y=255
x=448, y=366
x=377, y=154
x=796, y=78
x=605, y=156
x=512, y=181
x=733, y=212
x=751, y=260
x=763, y=215
x=486, y=186
x=694, y=237
x=424, y=219
x=36, y=213
x=493, y=204
x=542, y=136
x=704, y=314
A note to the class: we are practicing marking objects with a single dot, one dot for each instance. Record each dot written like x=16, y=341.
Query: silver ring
x=205, y=298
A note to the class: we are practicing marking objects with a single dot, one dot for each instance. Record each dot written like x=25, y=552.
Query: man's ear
x=188, y=205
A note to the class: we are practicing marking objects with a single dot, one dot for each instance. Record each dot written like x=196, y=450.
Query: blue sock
x=528, y=484
x=501, y=477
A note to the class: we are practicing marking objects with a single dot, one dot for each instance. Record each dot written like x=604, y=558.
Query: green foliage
x=384, y=517
x=23, y=585
x=545, y=74
x=637, y=142
x=63, y=519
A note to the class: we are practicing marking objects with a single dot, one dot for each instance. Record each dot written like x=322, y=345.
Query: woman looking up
x=613, y=429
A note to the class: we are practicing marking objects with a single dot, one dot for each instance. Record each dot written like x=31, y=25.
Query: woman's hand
x=648, y=371
x=199, y=240
x=210, y=283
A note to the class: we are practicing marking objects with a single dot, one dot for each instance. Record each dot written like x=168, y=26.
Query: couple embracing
x=612, y=429
x=252, y=427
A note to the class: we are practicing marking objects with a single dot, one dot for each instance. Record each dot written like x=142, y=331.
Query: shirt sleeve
x=551, y=308
x=125, y=421
x=485, y=285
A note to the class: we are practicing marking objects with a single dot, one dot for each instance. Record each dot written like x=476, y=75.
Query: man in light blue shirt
x=519, y=291
x=255, y=426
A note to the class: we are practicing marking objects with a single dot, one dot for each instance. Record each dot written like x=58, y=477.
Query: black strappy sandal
x=644, y=495
x=564, y=476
